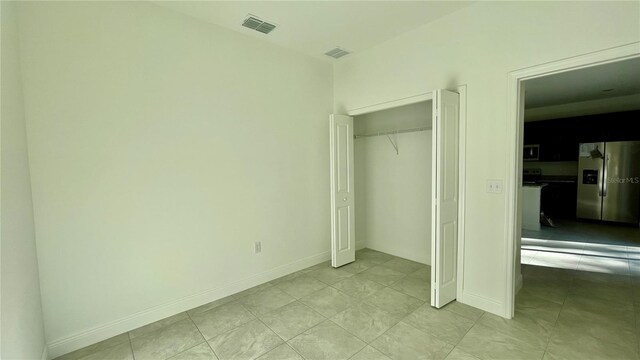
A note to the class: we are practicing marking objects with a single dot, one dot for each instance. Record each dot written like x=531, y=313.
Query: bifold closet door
x=343, y=249
x=444, y=239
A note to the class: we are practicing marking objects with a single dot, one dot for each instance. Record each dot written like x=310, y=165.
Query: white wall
x=161, y=148
x=393, y=192
x=478, y=46
x=21, y=324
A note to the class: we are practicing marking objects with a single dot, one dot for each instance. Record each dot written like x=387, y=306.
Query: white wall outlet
x=494, y=186
x=257, y=247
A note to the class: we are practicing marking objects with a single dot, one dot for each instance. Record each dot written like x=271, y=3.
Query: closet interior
x=393, y=180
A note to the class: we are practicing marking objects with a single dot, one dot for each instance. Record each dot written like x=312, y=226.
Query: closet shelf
x=391, y=132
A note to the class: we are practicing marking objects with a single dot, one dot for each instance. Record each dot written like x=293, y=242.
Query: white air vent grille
x=337, y=53
x=256, y=24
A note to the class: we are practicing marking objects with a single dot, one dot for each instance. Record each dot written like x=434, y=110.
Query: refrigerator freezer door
x=590, y=181
x=621, y=188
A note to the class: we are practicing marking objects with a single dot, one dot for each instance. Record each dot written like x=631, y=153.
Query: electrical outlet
x=494, y=186
x=257, y=247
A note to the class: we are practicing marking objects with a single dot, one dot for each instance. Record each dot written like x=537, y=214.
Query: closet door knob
x=344, y=199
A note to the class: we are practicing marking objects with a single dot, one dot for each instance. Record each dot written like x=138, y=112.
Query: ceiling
x=584, y=84
x=315, y=27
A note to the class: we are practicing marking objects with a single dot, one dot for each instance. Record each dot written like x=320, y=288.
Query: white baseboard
x=518, y=283
x=45, y=353
x=401, y=254
x=483, y=303
x=360, y=245
x=102, y=332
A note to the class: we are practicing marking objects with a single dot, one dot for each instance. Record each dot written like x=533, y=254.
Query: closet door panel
x=342, y=195
x=445, y=198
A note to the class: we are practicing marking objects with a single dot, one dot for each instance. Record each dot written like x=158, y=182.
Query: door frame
x=462, y=136
x=515, y=130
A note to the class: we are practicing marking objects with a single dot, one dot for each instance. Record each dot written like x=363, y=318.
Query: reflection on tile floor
x=582, y=256
x=587, y=232
x=373, y=312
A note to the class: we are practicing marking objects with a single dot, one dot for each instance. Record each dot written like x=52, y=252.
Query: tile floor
x=582, y=256
x=587, y=232
x=376, y=308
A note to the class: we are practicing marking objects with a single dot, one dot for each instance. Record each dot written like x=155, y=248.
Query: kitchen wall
x=393, y=191
x=21, y=323
x=478, y=46
x=161, y=149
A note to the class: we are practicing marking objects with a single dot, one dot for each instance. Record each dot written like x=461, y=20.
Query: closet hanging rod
x=390, y=132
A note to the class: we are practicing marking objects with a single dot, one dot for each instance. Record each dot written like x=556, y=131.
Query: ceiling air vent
x=256, y=24
x=337, y=53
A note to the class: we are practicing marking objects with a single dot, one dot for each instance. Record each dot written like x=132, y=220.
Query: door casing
x=515, y=130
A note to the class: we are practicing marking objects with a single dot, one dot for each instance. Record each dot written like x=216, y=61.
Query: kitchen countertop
x=558, y=179
x=546, y=180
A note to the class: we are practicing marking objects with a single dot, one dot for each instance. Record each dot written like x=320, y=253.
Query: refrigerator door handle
x=605, y=175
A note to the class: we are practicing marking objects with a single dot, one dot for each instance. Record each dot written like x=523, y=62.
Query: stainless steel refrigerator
x=609, y=181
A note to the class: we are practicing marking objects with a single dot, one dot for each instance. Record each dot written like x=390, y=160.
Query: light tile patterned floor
x=587, y=231
x=582, y=256
x=375, y=309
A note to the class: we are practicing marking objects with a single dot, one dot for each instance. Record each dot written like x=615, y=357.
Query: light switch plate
x=494, y=186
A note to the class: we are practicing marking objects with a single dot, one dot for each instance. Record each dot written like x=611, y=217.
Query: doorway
x=515, y=191
x=581, y=190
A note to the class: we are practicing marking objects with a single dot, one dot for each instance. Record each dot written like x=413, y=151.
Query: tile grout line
x=292, y=348
x=362, y=301
x=391, y=327
x=201, y=334
x=359, y=301
x=131, y=345
x=377, y=307
x=302, y=332
x=270, y=329
x=224, y=332
x=475, y=322
x=314, y=326
x=424, y=332
x=286, y=342
x=555, y=323
x=341, y=292
x=257, y=317
x=363, y=340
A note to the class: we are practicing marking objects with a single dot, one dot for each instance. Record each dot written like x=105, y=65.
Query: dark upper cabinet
x=559, y=138
x=559, y=151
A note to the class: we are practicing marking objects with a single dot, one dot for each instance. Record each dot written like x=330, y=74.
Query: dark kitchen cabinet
x=562, y=150
x=559, y=138
x=558, y=200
